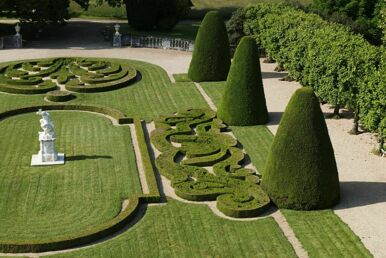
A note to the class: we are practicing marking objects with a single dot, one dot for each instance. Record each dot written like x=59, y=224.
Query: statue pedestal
x=37, y=160
x=47, y=154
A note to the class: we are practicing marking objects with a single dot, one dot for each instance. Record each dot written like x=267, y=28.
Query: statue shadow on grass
x=87, y=157
x=357, y=194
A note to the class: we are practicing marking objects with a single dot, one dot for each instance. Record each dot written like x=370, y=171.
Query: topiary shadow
x=358, y=194
x=86, y=157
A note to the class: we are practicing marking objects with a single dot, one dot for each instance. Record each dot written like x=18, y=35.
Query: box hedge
x=301, y=171
x=211, y=55
x=243, y=102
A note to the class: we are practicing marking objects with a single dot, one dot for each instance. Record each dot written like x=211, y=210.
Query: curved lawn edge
x=86, y=237
x=103, y=230
x=117, y=115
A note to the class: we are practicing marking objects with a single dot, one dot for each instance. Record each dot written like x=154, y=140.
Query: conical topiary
x=211, y=55
x=301, y=171
x=243, y=102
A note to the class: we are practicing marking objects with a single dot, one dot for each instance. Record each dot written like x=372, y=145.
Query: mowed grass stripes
x=152, y=96
x=324, y=234
x=184, y=230
x=39, y=203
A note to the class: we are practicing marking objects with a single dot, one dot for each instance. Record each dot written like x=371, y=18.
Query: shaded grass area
x=182, y=230
x=152, y=96
x=48, y=202
x=324, y=234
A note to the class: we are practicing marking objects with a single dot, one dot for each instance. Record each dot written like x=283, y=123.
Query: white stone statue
x=47, y=154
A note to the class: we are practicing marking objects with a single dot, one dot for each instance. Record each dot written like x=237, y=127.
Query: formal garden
x=161, y=164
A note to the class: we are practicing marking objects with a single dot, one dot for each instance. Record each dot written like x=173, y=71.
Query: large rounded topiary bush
x=243, y=102
x=301, y=171
x=211, y=55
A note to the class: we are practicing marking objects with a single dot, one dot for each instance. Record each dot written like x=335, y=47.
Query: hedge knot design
x=204, y=163
x=74, y=74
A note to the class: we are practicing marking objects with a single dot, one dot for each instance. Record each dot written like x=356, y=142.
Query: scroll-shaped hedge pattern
x=75, y=74
x=191, y=142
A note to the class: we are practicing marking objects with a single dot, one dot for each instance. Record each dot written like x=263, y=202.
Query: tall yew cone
x=243, y=102
x=211, y=55
x=301, y=171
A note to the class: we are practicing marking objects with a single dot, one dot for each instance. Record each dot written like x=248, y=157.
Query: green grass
x=161, y=96
x=324, y=234
x=256, y=140
x=181, y=77
x=39, y=203
x=182, y=230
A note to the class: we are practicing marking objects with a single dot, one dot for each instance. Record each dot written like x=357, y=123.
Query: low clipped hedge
x=59, y=96
x=119, y=116
x=130, y=77
x=77, y=74
x=207, y=147
x=17, y=89
x=154, y=194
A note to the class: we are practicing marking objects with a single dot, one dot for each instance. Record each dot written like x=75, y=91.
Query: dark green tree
x=243, y=102
x=362, y=16
x=155, y=14
x=301, y=171
x=211, y=55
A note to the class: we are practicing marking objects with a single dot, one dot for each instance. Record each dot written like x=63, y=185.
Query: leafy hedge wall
x=342, y=68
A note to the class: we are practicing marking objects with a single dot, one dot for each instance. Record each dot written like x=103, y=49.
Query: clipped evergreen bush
x=301, y=171
x=211, y=55
x=243, y=102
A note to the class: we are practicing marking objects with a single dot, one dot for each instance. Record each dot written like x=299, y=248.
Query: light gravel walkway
x=362, y=174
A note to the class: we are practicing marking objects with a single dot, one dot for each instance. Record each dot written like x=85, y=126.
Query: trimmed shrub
x=301, y=171
x=211, y=55
x=342, y=68
x=77, y=74
x=59, y=96
x=235, y=188
x=243, y=102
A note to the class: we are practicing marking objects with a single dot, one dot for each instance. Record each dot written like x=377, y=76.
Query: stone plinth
x=47, y=154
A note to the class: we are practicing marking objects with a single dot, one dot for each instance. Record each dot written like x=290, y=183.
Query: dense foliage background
x=342, y=67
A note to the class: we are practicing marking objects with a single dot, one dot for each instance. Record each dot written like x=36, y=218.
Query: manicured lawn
x=324, y=234
x=47, y=202
x=214, y=90
x=152, y=96
x=183, y=230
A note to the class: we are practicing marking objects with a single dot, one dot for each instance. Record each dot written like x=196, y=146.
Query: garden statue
x=47, y=154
